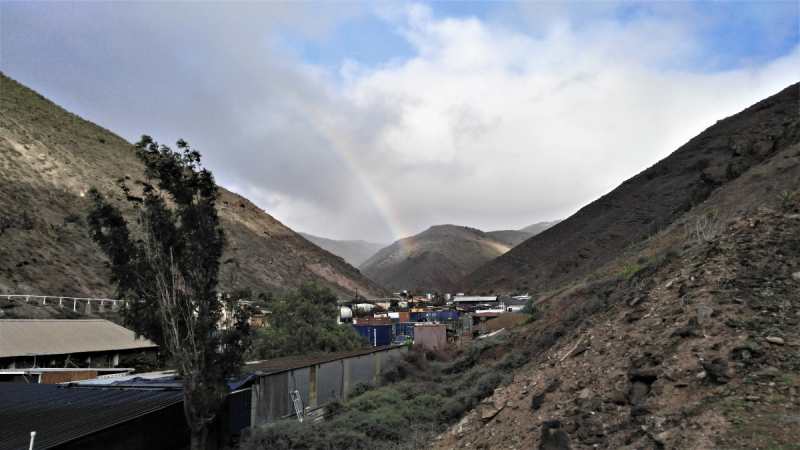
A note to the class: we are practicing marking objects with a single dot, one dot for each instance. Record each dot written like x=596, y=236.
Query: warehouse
x=68, y=343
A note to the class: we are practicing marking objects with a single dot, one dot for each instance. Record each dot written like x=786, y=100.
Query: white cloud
x=495, y=123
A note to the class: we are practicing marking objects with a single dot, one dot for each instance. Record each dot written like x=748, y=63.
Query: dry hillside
x=49, y=158
x=697, y=349
x=435, y=259
x=726, y=170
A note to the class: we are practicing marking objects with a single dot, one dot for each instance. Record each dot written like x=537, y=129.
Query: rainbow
x=338, y=147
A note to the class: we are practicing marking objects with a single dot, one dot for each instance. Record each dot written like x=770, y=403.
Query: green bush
x=359, y=388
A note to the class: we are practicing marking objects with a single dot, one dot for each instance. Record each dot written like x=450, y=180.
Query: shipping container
x=372, y=321
x=431, y=336
x=378, y=335
x=449, y=316
x=406, y=328
x=404, y=317
x=414, y=316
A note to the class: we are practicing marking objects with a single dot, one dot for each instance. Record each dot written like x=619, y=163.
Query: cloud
x=519, y=113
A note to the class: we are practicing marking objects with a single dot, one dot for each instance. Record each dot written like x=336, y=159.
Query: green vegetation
x=787, y=196
x=305, y=322
x=627, y=271
x=419, y=397
x=167, y=269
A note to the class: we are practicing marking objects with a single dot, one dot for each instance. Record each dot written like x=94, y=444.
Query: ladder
x=298, y=405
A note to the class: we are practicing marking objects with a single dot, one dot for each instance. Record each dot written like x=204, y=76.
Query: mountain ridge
x=48, y=160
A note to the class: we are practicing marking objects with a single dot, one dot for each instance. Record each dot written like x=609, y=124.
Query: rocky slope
x=697, y=349
x=435, y=259
x=48, y=160
x=354, y=252
x=731, y=166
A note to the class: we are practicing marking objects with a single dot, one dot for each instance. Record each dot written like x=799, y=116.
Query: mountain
x=354, y=252
x=48, y=160
x=510, y=237
x=539, y=227
x=731, y=167
x=435, y=259
x=664, y=358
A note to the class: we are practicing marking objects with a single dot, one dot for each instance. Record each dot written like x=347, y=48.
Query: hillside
x=726, y=170
x=510, y=237
x=697, y=349
x=433, y=260
x=48, y=160
x=539, y=227
x=354, y=252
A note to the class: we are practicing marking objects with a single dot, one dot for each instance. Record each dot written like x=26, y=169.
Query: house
x=29, y=343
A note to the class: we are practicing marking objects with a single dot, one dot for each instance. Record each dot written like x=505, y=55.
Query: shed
x=47, y=343
x=431, y=336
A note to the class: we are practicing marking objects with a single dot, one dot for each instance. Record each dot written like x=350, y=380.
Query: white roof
x=20, y=337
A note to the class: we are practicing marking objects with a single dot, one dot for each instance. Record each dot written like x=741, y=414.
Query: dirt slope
x=354, y=252
x=718, y=169
x=433, y=260
x=698, y=349
x=49, y=158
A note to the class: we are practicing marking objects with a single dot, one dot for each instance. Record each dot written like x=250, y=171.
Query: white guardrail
x=61, y=299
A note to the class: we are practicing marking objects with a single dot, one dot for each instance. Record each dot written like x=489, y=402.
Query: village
x=83, y=384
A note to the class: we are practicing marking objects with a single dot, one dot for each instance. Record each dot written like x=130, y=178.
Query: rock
x=585, y=394
x=775, y=340
x=796, y=276
x=663, y=438
x=538, y=400
x=580, y=348
x=703, y=312
x=489, y=409
x=619, y=398
x=634, y=316
x=718, y=370
x=641, y=410
x=554, y=438
x=647, y=374
x=746, y=354
x=554, y=385
x=635, y=301
x=639, y=392
x=683, y=290
x=462, y=427
x=700, y=375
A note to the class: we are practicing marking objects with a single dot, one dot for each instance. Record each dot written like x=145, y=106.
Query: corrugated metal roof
x=59, y=337
x=60, y=415
x=295, y=362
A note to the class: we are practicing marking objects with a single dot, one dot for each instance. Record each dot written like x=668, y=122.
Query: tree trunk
x=199, y=437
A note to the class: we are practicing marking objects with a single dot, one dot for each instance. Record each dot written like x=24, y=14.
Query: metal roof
x=59, y=415
x=295, y=362
x=19, y=337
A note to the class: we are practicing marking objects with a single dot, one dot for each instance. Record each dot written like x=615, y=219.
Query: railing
x=61, y=299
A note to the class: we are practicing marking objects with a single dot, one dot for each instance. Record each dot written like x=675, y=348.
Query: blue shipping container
x=433, y=316
x=406, y=328
x=449, y=316
x=414, y=316
x=378, y=335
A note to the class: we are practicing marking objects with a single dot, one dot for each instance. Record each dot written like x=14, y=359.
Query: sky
x=375, y=120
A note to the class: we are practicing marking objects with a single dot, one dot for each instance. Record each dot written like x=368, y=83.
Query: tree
x=304, y=322
x=165, y=264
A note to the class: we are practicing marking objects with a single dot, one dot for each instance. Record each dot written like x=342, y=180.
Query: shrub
x=359, y=388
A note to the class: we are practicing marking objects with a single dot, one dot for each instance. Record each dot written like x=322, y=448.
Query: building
x=68, y=344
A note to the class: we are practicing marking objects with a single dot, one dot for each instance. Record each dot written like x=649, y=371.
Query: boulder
x=718, y=370
x=775, y=340
x=553, y=437
x=490, y=408
x=703, y=312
